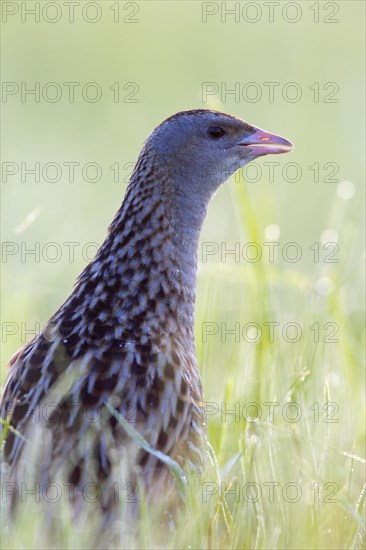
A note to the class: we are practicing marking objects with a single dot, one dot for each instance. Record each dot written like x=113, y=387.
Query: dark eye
x=215, y=132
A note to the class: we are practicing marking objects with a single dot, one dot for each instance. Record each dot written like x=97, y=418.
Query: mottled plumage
x=125, y=334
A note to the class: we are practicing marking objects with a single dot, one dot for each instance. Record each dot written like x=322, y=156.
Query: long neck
x=146, y=268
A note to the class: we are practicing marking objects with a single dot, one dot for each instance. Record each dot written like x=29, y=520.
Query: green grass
x=293, y=480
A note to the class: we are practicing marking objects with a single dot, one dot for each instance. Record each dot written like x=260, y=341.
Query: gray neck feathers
x=152, y=244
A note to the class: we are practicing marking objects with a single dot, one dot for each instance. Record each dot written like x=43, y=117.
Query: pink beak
x=264, y=143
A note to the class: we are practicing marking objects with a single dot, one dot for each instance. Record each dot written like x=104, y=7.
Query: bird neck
x=148, y=261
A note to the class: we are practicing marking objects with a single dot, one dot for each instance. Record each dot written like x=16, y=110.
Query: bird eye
x=215, y=132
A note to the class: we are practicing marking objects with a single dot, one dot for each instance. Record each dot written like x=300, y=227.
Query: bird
x=124, y=338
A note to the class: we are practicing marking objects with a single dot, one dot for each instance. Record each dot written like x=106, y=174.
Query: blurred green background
x=169, y=52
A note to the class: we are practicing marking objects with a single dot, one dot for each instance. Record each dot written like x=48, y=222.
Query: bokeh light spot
x=272, y=232
x=346, y=190
x=324, y=286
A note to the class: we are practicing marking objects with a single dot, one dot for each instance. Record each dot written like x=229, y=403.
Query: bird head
x=208, y=146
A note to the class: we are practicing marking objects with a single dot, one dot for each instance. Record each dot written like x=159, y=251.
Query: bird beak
x=263, y=143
